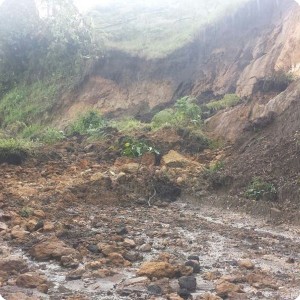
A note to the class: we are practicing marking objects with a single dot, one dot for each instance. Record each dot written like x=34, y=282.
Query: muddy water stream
x=219, y=238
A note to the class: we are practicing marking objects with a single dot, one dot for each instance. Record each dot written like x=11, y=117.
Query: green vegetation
x=26, y=212
x=88, y=123
x=128, y=125
x=259, y=189
x=136, y=148
x=184, y=113
x=14, y=150
x=229, y=100
x=157, y=29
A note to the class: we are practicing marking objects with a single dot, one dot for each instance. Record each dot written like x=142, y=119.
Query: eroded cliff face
x=232, y=56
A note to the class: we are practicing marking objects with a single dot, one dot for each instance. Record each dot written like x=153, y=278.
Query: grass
x=259, y=189
x=229, y=100
x=156, y=30
x=128, y=125
x=15, y=150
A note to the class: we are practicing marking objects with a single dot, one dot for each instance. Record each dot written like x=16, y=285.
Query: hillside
x=150, y=150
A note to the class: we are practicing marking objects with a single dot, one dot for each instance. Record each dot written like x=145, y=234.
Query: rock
x=13, y=266
x=246, y=263
x=185, y=270
x=48, y=226
x=145, y=248
x=224, y=288
x=43, y=288
x=129, y=243
x=157, y=269
x=106, y=249
x=76, y=274
x=208, y=296
x=31, y=224
x=174, y=297
x=69, y=261
x=39, y=213
x=133, y=285
x=30, y=280
x=132, y=256
x=19, y=233
x=194, y=257
x=3, y=226
x=194, y=264
x=118, y=260
x=102, y=273
x=93, y=248
x=174, y=160
x=210, y=276
x=148, y=159
x=130, y=168
x=122, y=230
x=51, y=248
x=184, y=293
x=154, y=289
x=20, y=296
x=188, y=282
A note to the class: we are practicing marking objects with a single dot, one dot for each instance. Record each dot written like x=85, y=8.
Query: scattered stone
x=145, y=248
x=194, y=257
x=194, y=264
x=122, y=230
x=246, y=263
x=13, y=266
x=30, y=280
x=3, y=226
x=129, y=243
x=106, y=249
x=93, y=248
x=118, y=260
x=39, y=214
x=20, y=296
x=48, y=226
x=18, y=233
x=76, y=274
x=69, y=261
x=185, y=270
x=188, y=282
x=132, y=256
x=184, y=293
x=154, y=289
x=290, y=260
x=174, y=296
x=130, y=168
x=157, y=269
x=43, y=288
x=224, y=288
x=51, y=248
x=208, y=296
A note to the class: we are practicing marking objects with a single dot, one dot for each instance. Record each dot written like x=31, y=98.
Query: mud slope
x=230, y=56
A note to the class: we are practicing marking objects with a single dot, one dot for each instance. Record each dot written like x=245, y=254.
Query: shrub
x=229, y=100
x=26, y=212
x=184, y=113
x=51, y=135
x=258, y=189
x=128, y=125
x=88, y=122
x=136, y=148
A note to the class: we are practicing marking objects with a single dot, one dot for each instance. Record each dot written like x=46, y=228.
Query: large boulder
x=52, y=248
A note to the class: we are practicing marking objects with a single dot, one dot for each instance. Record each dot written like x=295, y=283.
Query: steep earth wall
x=230, y=56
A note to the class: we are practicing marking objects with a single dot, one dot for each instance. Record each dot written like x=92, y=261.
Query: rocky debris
x=157, y=270
x=138, y=284
x=246, y=263
x=76, y=274
x=20, y=296
x=194, y=264
x=188, y=283
x=19, y=233
x=224, y=288
x=154, y=289
x=208, y=296
x=175, y=160
x=118, y=260
x=174, y=296
x=31, y=280
x=13, y=266
x=3, y=226
x=53, y=248
x=145, y=248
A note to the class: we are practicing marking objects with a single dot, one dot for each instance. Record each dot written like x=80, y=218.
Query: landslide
x=233, y=55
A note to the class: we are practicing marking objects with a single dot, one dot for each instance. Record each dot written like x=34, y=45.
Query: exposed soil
x=88, y=221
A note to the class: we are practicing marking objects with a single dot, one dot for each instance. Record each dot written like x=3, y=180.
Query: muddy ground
x=72, y=226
